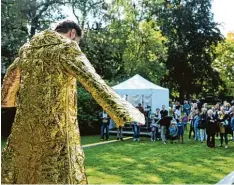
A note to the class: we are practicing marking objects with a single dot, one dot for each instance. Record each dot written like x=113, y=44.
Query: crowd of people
x=202, y=122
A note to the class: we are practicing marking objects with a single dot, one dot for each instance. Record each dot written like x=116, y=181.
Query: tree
x=21, y=20
x=14, y=32
x=145, y=53
x=224, y=64
x=191, y=33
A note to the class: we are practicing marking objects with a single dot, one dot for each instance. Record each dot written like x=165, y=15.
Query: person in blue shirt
x=180, y=126
x=173, y=131
x=196, y=122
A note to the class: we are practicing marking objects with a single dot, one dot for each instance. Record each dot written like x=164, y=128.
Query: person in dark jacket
x=163, y=112
x=210, y=129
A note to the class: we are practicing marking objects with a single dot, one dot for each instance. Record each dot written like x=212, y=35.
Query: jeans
x=136, y=130
x=196, y=133
x=224, y=135
x=187, y=111
x=211, y=141
x=202, y=134
x=104, y=127
x=119, y=132
x=163, y=133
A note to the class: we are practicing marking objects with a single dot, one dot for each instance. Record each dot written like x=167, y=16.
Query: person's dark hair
x=66, y=26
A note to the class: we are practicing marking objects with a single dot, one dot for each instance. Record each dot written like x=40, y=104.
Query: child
x=180, y=125
x=173, y=131
x=153, y=127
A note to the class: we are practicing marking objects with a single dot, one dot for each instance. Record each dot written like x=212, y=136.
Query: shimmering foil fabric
x=44, y=144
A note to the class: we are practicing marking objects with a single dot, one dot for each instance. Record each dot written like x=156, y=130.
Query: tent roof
x=137, y=82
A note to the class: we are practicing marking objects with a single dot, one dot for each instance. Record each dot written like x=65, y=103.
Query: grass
x=147, y=162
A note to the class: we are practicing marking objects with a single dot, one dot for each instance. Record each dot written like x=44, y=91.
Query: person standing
x=44, y=144
x=196, y=120
x=105, y=126
x=191, y=120
x=223, y=125
x=210, y=129
x=180, y=126
x=136, y=131
x=163, y=124
x=157, y=117
x=202, y=124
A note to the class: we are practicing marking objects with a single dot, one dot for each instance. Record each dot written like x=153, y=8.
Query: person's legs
x=221, y=139
x=190, y=131
x=196, y=133
x=202, y=135
x=121, y=133
x=226, y=139
x=156, y=133
x=208, y=140
x=102, y=131
x=117, y=133
x=138, y=132
x=163, y=132
x=213, y=141
x=135, y=131
x=107, y=131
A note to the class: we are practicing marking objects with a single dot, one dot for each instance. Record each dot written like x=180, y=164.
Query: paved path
x=104, y=142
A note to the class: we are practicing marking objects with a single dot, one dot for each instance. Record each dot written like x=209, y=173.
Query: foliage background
x=175, y=44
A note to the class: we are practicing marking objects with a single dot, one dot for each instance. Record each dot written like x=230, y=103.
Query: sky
x=223, y=11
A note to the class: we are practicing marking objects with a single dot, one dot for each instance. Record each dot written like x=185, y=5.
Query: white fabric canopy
x=139, y=90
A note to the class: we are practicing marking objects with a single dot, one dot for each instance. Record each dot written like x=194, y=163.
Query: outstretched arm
x=78, y=65
x=10, y=85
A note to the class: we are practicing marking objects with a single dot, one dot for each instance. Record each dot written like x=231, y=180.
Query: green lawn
x=147, y=162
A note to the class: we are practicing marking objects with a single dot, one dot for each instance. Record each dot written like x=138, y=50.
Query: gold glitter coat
x=44, y=144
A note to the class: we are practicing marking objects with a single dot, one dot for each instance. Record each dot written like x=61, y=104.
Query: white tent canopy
x=139, y=90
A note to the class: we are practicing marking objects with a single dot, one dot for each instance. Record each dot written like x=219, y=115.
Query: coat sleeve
x=10, y=86
x=76, y=63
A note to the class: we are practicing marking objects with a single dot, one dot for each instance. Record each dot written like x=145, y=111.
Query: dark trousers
x=190, y=131
x=211, y=141
x=224, y=135
x=104, y=127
